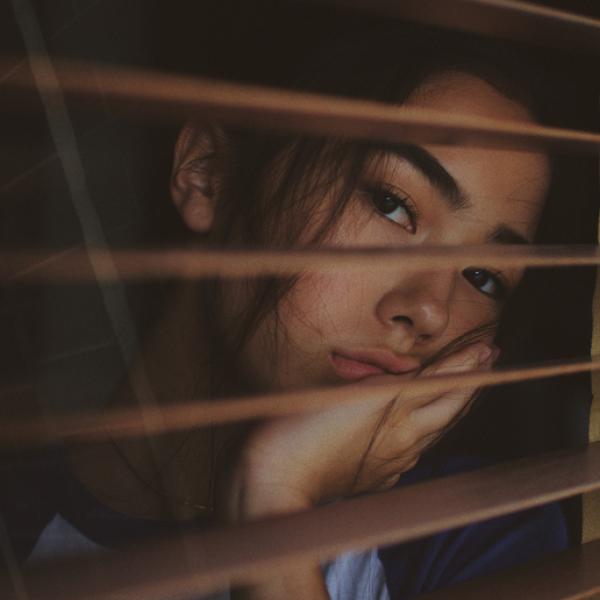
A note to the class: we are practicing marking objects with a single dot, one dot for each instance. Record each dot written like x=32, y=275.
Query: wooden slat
x=505, y=19
x=192, y=563
x=590, y=526
x=569, y=575
x=146, y=93
x=127, y=422
x=75, y=265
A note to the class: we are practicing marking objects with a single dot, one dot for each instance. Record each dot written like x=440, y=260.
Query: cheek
x=470, y=311
x=326, y=305
x=291, y=349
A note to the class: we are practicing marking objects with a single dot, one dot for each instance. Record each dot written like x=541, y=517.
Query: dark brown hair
x=385, y=64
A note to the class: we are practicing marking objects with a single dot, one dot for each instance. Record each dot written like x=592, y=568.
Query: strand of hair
x=75, y=264
x=130, y=422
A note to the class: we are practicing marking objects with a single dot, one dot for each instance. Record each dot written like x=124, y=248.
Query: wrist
x=259, y=502
x=252, y=490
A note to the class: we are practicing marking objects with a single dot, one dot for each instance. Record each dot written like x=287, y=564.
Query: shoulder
x=49, y=513
x=60, y=539
x=28, y=497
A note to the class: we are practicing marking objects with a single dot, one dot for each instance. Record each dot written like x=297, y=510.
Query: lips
x=355, y=365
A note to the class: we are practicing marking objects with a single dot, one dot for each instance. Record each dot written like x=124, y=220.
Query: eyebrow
x=506, y=235
x=431, y=168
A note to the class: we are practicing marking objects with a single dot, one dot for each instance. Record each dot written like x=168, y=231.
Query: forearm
x=299, y=583
x=250, y=500
x=303, y=582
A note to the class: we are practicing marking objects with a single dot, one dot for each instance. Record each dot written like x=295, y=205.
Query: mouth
x=357, y=365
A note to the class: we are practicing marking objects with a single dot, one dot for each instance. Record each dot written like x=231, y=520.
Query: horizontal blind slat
x=75, y=264
x=505, y=19
x=192, y=563
x=150, y=94
x=128, y=422
x=568, y=575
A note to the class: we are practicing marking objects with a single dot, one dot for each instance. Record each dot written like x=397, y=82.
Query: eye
x=486, y=282
x=394, y=207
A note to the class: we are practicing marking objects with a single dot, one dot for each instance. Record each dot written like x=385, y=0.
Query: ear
x=197, y=173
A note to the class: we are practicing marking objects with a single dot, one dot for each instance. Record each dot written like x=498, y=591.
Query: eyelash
x=380, y=193
x=498, y=280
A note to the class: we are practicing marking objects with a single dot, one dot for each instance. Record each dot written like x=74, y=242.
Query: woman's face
x=341, y=327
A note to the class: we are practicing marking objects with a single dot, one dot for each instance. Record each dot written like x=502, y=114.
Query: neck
x=171, y=475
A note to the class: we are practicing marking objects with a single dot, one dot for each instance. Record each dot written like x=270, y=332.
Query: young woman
x=224, y=337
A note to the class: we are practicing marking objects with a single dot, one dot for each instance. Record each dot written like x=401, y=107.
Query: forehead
x=459, y=92
x=506, y=186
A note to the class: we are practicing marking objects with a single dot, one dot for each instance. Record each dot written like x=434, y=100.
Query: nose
x=420, y=305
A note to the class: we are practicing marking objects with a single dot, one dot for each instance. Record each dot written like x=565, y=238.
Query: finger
x=449, y=408
x=468, y=358
x=389, y=483
x=395, y=468
x=465, y=359
x=444, y=412
x=462, y=360
x=465, y=411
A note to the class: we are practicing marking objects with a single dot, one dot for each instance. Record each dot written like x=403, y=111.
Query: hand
x=295, y=462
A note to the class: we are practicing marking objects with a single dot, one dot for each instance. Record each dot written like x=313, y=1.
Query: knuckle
x=412, y=462
x=407, y=436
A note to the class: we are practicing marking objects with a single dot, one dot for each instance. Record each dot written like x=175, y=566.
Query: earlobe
x=197, y=171
x=196, y=212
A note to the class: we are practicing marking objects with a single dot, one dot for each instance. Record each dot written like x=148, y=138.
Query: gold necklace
x=206, y=509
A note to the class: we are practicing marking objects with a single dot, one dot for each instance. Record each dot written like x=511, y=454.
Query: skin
x=362, y=447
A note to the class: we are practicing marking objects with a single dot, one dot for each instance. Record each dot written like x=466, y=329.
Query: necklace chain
x=205, y=508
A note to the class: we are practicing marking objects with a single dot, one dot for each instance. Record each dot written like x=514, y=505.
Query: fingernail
x=495, y=353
